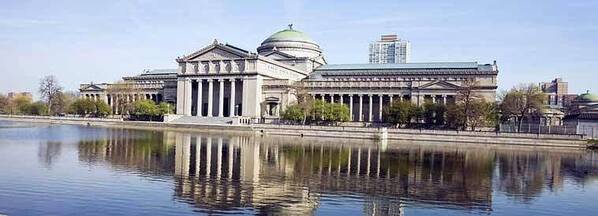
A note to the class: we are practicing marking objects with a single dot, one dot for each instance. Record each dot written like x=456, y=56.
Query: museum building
x=223, y=81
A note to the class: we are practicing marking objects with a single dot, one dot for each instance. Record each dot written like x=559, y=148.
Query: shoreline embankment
x=383, y=134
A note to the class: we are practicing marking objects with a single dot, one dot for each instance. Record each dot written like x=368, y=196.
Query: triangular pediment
x=92, y=87
x=278, y=55
x=439, y=85
x=217, y=51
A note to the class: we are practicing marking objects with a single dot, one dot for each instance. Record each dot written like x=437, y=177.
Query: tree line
x=55, y=101
x=468, y=111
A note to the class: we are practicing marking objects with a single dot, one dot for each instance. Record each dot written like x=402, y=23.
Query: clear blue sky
x=101, y=41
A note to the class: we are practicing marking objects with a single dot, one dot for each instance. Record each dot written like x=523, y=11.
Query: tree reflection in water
x=231, y=173
x=48, y=152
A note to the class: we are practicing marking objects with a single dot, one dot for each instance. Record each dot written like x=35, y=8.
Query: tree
x=304, y=100
x=83, y=107
x=522, y=101
x=433, y=113
x=102, y=108
x=4, y=104
x=50, y=91
x=454, y=116
x=319, y=112
x=145, y=108
x=165, y=108
x=467, y=98
x=19, y=104
x=337, y=113
x=294, y=113
x=62, y=102
x=479, y=113
x=37, y=108
x=400, y=113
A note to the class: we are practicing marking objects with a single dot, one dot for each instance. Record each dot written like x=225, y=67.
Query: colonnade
x=115, y=101
x=202, y=101
x=368, y=107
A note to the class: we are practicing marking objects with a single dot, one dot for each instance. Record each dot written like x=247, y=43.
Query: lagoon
x=49, y=169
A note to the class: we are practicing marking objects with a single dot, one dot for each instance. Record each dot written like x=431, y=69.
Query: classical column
x=341, y=100
x=232, y=98
x=433, y=99
x=380, y=107
x=371, y=105
x=360, y=107
x=210, y=96
x=390, y=101
x=221, y=99
x=332, y=98
x=199, y=97
x=351, y=106
x=444, y=99
x=188, y=97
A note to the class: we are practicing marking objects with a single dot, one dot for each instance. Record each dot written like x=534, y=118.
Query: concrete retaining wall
x=516, y=139
x=548, y=140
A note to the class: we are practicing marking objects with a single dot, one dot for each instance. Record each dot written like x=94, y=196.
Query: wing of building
x=221, y=80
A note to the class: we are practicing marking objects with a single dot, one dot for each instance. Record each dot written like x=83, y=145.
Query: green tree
x=83, y=107
x=20, y=104
x=102, y=108
x=37, y=108
x=294, y=113
x=433, y=113
x=521, y=102
x=454, y=115
x=165, y=108
x=318, y=110
x=400, y=113
x=145, y=107
x=479, y=112
x=305, y=101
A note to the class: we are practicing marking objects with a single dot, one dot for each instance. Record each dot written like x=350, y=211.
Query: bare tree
x=50, y=90
x=468, y=99
x=521, y=102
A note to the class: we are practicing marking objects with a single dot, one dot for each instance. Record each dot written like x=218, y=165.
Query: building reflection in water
x=218, y=173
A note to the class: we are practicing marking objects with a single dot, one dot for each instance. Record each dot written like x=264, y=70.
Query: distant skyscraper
x=390, y=49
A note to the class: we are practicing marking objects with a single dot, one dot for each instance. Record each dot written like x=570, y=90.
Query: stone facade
x=157, y=85
x=222, y=80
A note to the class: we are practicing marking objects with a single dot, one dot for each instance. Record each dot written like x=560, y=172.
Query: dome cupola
x=292, y=42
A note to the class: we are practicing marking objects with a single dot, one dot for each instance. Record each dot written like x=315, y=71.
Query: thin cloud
x=26, y=23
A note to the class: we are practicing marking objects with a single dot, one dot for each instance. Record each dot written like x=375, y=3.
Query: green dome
x=588, y=97
x=289, y=35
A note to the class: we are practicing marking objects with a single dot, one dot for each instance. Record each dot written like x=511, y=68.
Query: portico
x=212, y=97
x=221, y=80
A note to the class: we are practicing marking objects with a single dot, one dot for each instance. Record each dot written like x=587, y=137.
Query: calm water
x=77, y=170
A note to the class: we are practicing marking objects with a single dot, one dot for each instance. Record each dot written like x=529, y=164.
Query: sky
x=101, y=41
